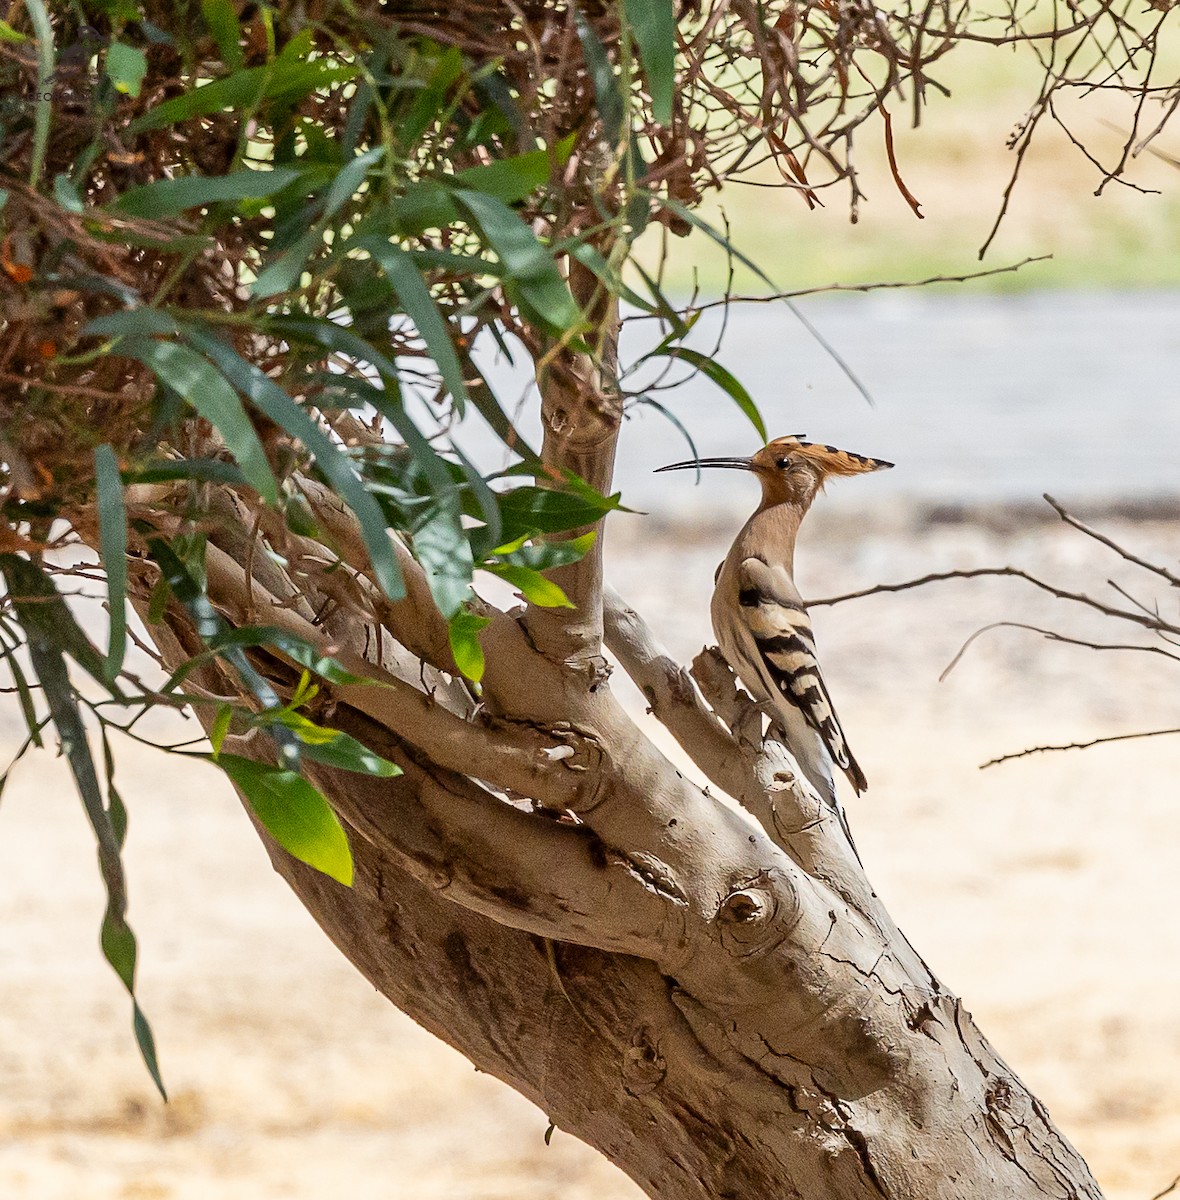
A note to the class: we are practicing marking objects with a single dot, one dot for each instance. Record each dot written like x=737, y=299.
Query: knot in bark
x=757, y=914
x=644, y=1067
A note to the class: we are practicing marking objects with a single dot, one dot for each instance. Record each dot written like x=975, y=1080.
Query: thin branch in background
x=895, y=170
x=1081, y=526
x=1148, y=620
x=1053, y=636
x=1170, y=1188
x=1099, y=741
x=774, y=297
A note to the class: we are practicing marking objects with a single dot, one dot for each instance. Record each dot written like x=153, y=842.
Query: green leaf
x=686, y=214
x=283, y=272
x=223, y=25
x=244, y=89
x=531, y=510
x=442, y=548
x=66, y=194
x=112, y=538
x=294, y=813
x=25, y=696
x=294, y=647
x=126, y=67
x=241, y=90
x=43, y=110
x=133, y=322
x=431, y=101
x=340, y=340
x=531, y=275
x=535, y=588
x=334, y=464
x=158, y=601
x=43, y=613
x=206, y=470
x=420, y=307
x=509, y=179
x=425, y=204
x=146, y=1042
x=592, y=260
x=464, y=629
x=334, y=748
x=166, y=197
x=543, y=556
x=612, y=109
x=220, y=727
x=349, y=178
x=724, y=380
x=653, y=24
x=440, y=542
x=8, y=34
x=45, y=654
x=196, y=380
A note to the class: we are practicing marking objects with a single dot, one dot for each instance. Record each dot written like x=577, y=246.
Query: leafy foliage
x=251, y=261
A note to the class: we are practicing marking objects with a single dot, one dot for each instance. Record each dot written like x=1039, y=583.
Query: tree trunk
x=711, y=995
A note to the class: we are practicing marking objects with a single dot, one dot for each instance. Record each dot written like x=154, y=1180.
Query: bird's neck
x=772, y=531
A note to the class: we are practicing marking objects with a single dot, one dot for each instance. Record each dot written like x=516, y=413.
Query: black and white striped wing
x=773, y=612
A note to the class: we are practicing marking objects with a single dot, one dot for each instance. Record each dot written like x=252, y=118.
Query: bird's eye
x=783, y=463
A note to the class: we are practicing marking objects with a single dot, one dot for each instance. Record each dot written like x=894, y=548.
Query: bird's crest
x=830, y=459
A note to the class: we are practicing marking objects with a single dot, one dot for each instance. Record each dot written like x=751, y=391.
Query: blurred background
x=1041, y=890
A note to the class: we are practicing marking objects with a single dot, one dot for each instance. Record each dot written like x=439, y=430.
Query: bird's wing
x=775, y=615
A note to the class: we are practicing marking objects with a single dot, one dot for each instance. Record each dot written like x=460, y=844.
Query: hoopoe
x=759, y=617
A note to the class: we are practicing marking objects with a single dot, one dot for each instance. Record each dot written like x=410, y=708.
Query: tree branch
x=524, y=870
x=1148, y=620
x=784, y=802
x=517, y=758
x=581, y=410
x=1070, y=519
x=1098, y=741
x=675, y=701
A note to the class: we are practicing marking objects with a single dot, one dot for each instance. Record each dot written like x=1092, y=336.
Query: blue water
x=977, y=398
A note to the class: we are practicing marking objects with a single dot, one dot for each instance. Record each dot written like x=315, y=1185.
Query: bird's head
x=790, y=469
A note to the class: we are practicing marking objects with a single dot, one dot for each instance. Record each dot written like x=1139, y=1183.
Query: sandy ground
x=1043, y=891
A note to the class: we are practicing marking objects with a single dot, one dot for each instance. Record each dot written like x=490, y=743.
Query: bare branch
x=676, y=703
x=1147, y=620
x=1053, y=636
x=774, y=297
x=1070, y=519
x=1170, y=1188
x=1099, y=741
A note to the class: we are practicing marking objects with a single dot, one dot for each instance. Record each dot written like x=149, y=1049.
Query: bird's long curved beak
x=734, y=464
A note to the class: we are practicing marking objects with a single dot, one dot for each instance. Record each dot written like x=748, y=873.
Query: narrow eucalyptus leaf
x=335, y=465
x=167, y=197
x=196, y=380
x=112, y=535
x=653, y=24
